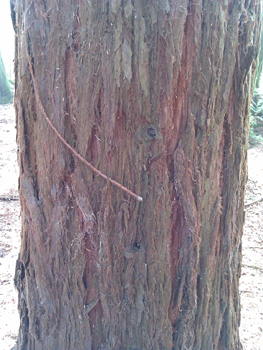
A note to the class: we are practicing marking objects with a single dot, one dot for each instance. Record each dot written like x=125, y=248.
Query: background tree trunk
x=5, y=90
x=156, y=95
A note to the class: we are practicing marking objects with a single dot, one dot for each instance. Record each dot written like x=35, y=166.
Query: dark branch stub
x=137, y=245
x=152, y=133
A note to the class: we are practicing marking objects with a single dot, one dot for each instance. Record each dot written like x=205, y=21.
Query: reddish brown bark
x=155, y=95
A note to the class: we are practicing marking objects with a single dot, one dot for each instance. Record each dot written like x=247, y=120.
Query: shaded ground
x=9, y=228
x=251, y=283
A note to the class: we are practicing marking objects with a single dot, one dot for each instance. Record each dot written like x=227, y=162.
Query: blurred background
x=7, y=49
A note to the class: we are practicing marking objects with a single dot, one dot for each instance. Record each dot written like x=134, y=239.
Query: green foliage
x=259, y=65
x=256, y=109
x=256, y=117
x=5, y=89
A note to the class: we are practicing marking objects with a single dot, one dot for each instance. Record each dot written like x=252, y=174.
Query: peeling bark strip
x=156, y=95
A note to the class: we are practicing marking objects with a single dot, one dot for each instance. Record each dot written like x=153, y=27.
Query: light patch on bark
x=126, y=60
x=128, y=9
x=117, y=60
x=115, y=4
x=143, y=60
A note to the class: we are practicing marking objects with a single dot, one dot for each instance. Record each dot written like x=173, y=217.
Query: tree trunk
x=156, y=96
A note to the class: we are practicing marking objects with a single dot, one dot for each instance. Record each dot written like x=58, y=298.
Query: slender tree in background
x=258, y=73
x=156, y=96
x=5, y=90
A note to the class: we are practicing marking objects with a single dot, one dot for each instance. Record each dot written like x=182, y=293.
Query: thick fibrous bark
x=154, y=94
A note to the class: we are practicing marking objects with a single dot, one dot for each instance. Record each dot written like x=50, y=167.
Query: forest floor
x=251, y=283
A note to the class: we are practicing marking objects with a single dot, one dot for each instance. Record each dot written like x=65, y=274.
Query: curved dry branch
x=65, y=142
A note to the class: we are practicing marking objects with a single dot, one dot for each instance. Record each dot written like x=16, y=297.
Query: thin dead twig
x=254, y=202
x=4, y=198
x=253, y=267
x=65, y=142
